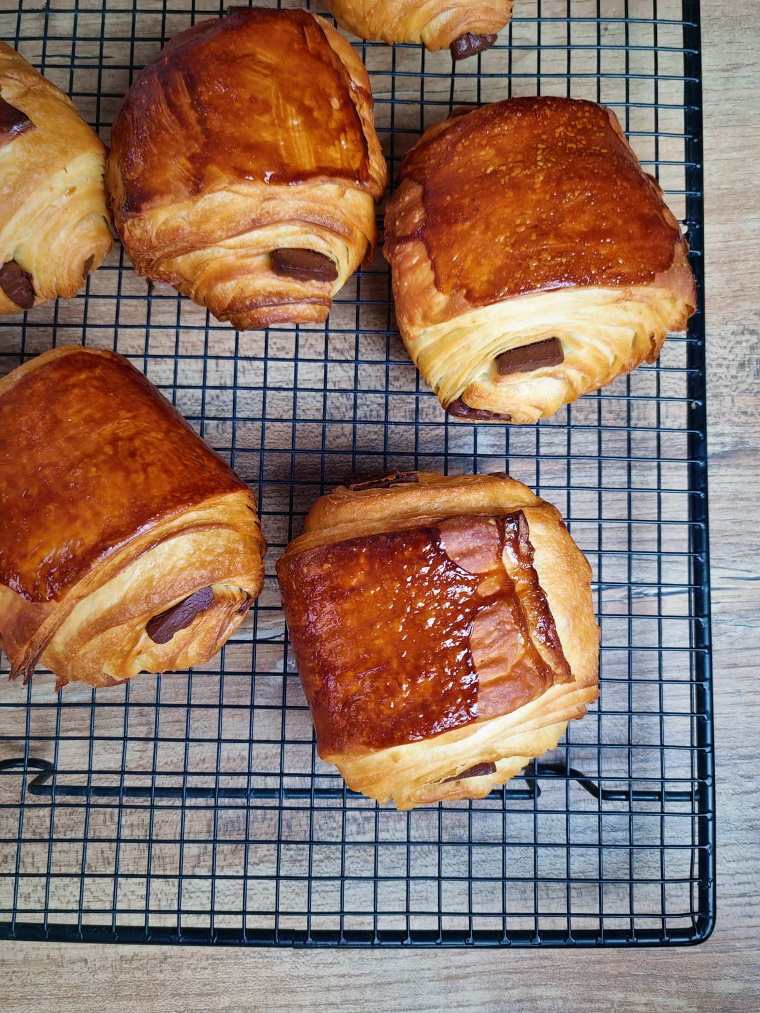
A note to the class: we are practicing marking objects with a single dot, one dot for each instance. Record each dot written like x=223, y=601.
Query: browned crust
x=402, y=635
x=91, y=454
x=242, y=60
x=546, y=194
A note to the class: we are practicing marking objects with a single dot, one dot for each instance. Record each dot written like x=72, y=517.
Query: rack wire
x=192, y=807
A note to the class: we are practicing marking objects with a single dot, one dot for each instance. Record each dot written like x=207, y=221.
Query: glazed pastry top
x=405, y=634
x=90, y=454
x=259, y=95
x=532, y=194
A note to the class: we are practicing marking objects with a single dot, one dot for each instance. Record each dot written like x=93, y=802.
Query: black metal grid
x=192, y=807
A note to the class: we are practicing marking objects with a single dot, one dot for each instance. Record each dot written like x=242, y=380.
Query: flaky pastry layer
x=222, y=155
x=53, y=217
x=432, y=23
x=419, y=772
x=604, y=333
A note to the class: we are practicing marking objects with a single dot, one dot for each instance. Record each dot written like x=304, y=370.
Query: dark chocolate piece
x=161, y=628
x=477, y=771
x=303, y=265
x=13, y=122
x=530, y=357
x=377, y=479
x=17, y=285
x=460, y=410
x=469, y=45
x=87, y=267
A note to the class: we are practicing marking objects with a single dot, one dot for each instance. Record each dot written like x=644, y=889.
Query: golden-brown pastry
x=465, y=27
x=443, y=629
x=53, y=218
x=126, y=544
x=244, y=166
x=533, y=259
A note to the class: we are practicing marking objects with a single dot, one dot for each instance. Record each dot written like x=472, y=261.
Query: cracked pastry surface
x=443, y=629
x=127, y=545
x=530, y=223
x=245, y=167
x=53, y=218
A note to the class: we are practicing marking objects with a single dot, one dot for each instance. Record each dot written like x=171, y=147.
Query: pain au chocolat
x=533, y=259
x=465, y=27
x=126, y=544
x=443, y=629
x=53, y=218
x=245, y=167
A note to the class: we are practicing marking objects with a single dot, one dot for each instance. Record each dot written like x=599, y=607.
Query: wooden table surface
x=721, y=974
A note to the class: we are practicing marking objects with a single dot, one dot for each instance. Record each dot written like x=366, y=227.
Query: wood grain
x=721, y=975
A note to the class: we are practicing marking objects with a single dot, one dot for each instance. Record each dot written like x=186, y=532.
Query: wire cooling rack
x=192, y=807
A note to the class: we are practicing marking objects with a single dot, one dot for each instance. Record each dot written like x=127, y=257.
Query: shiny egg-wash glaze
x=203, y=199
x=385, y=629
x=544, y=220
x=443, y=630
x=531, y=220
x=114, y=511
